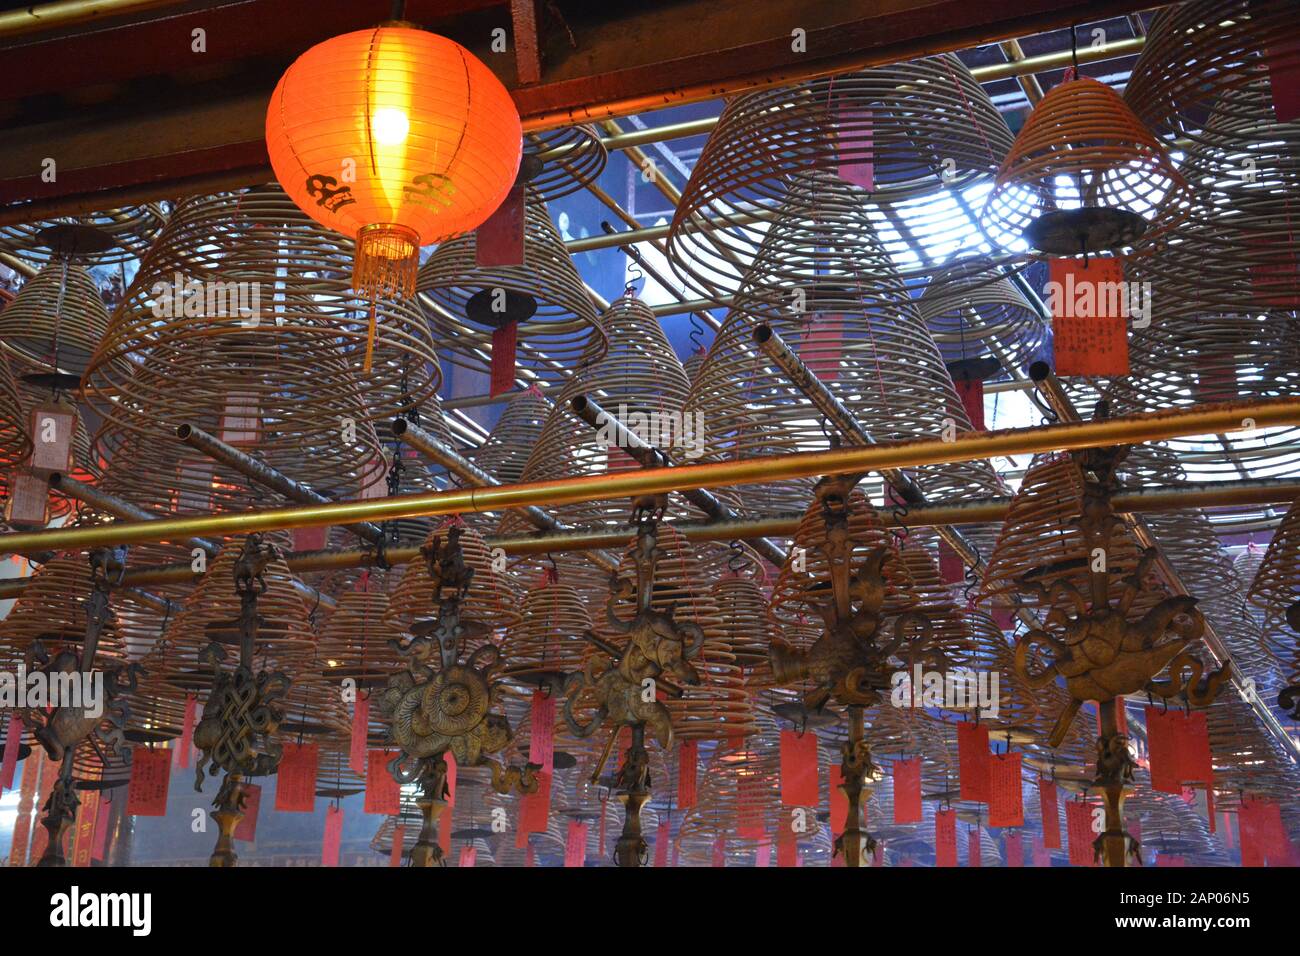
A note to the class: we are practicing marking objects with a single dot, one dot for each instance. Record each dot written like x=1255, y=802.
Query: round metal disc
x=472, y=833
x=511, y=307
x=55, y=381
x=338, y=793
x=102, y=784
x=801, y=716
x=974, y=369
x=75, y=239
x=1088, y=229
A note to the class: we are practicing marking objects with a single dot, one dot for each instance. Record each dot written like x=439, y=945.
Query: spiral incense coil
x=694, y=362
x=465, y=302
x=353, y=642
x=1041, y=541
x=1276, y=587
x=1245, y=758
x=631, y=371
x=973, y=311
x=1017, y=706
x=505, y=451
x=548, y=642
x=1232, y=43
x=718, y=707
x=273, y=291
x=15, y=442
x=57, y=318
x=493, y=599
x=1083, y=135
x=742, y=606
x=562, y=161
x=335, y=777
x=732, y=798
x=1173, y=827
x=128, y=232
x=926, y=128
x=284, y=635
x=52, y=610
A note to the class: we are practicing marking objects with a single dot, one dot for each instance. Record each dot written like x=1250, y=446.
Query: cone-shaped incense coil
x=52, y=610
x=271, y=287
x=493, y=599
x=15, y=442
x=907, y=131
x=746, y=625
x=57, y=319
x=354, y=642
x=1082, y=146
x=1276, y=587
x=548, y=643
x=556, y=321
x=718, y=707
x=125, y=233
x=973, y=311
x=562, y=161
x=505, y=451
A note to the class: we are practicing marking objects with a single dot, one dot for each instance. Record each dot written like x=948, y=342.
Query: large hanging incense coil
x=548, y=642
x=1189, y=356
x=973, y=311
x=15, y=442
x=718, y=707
x=1083, y=147
x=739, y=801
x=354, y=641
x=926, y=128
x=1276, y=587
x=505, y=451
x=57, y=318
x=1172, y=827
x=126, y=233
x=466, y=302
x=559, y=162
x=273, y=289
x=1246, y=760
x=493, y=599
x=742, y=606
x=211, y=614
x=52, y=610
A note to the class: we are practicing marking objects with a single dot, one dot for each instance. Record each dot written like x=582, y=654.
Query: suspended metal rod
x=648, y=456
x=967, y=446
x=266, y=476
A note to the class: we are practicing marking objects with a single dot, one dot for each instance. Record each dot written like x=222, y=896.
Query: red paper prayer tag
x=945, y=838
x=787, y=847
x=151, y=773
x=399, y=845
x=247, y=828
x=763, y=855
x=468, y=857
x=360, y=731
x=1089, y=322
x=575, y=845
x=1163, y=731
x=951, y=569
x=310, y=539
x=971, y=393
x=1041, y=856
x=973, y=761
x=333, y=842
x=185, y=748
x=504, y=344
x=907, y=790
x=1284, y=79
x=383, y=793
x=973, y=853
x=750, y=793
x=1050, y=814
x=1195, y=762
x=1014, y=847
x=541, y=740
x=499, y=241
x=687, y=756
x=1006, y=804
x=719, y=852
x=295, y=780
x=535, y=808
x=856, y=157
x=822, y=346
x=799, y=769
x=83, y=838
x=1078, y=827
x=102, y=827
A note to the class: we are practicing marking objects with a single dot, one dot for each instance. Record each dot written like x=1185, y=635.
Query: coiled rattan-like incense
x=1082, y=146
x=926, y=127
x=129, y=229
x=308, y=323
x=562, y=161
x=1277, y=585
x=548, y=642
x=52, y=610
x=973, y=311
x=564, y=326
x=58, y=317
x=15, y=441
x=505, y=451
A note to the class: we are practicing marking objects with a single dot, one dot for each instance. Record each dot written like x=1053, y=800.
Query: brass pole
x=967, y=446
x=68, y=13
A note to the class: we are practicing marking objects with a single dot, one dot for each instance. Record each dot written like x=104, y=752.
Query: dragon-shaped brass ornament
x=64, y=728
x=853, y=661
x=433, y=711
x=656, y=655
x=1102, y=655
x=237, y=732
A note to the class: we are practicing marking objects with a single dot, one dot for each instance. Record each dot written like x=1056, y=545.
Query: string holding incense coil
x=543, y=298
x=910, y=138
x=57, y=318
x=559, y=162
x=127, y=232
x=273, y=288
x=1123, y=190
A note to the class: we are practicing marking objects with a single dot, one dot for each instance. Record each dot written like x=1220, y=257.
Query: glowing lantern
x=395, y=137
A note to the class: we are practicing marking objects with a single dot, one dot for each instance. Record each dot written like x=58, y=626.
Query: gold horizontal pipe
x=44, y=17
x=970, y=446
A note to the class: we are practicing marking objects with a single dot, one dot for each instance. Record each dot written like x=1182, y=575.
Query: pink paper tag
x=185, y=749
x=360, y=729
x=857, y=160
x=399, y=845
x=247, y=829
x=330, y=846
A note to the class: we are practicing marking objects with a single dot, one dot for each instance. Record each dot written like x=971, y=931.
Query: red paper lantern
x=395, y=137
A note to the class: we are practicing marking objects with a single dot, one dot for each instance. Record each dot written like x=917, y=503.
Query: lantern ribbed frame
x=131, y=228
x=348, y=99
x=927, y=127
x=59, y=305
x=562, y=331
x=1082, y=129
x=572, y=158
